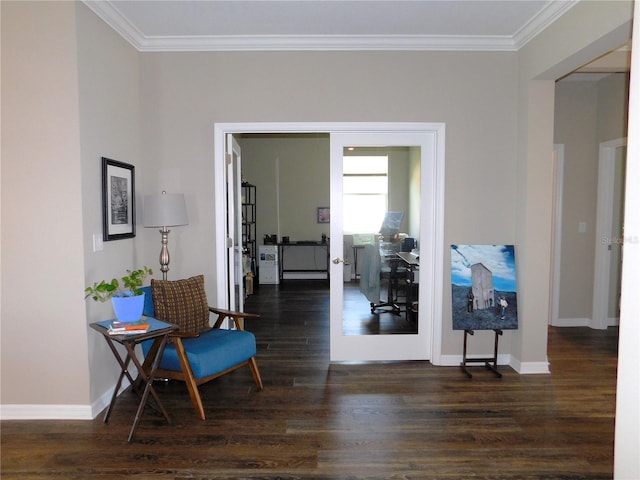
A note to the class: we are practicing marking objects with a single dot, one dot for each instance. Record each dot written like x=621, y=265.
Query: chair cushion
x=182, y=302
x=212, y=352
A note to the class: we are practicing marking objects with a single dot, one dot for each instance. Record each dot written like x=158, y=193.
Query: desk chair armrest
x=237, y=317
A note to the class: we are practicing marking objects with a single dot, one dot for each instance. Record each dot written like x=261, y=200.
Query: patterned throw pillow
x=182, y=302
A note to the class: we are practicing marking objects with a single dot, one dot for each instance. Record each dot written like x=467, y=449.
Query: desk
x=159, y=333
x=412, y=264
x=283, y=247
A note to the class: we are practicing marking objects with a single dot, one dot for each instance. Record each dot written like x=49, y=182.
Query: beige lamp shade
x=165, y=210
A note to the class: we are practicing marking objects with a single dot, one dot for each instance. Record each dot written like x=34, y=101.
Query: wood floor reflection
x=358, y=319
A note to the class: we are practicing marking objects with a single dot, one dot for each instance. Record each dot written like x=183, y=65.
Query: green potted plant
x=126, y=296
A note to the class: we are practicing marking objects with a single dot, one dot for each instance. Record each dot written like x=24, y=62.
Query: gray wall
x=95, y=96
x=291, y=175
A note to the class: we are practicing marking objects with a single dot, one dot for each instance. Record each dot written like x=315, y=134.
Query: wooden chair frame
x=186, y=375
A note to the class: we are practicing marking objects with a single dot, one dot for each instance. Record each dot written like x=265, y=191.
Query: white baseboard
x=530, y=368
x=526, y=368
x=46, y=412
x=582, y=322
x=571, y=322
x=60, y=412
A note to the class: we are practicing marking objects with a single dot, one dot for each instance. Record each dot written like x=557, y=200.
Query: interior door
x=235, y=285
x=609, y=233
x=617, y=235
x=418, y=345
x=430, y=139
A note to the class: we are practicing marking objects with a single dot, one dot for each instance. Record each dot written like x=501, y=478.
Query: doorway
x=431, y=140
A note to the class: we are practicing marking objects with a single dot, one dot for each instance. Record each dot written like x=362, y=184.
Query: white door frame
x=437, y=218
x=558, y=168
x=235, y=283
x=601, y=280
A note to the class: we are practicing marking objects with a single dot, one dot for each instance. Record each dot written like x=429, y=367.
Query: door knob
x=338, y=260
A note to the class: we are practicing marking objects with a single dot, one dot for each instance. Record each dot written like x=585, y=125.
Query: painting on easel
x=483, y=287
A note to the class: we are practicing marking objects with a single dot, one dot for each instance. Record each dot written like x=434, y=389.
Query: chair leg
x=253, y=366
x=192, y=386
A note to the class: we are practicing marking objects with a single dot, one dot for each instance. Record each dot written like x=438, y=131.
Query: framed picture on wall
x=118, y=200
x=324, y=215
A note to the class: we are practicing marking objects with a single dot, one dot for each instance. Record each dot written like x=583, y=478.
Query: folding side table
x=158, y=332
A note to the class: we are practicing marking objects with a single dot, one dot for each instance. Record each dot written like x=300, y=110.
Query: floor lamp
x=163, y=211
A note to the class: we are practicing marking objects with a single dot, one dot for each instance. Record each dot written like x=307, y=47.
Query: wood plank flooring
x=316, y=420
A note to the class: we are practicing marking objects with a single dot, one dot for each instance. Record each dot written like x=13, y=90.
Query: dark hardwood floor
x=316, y=420
x=358, y=319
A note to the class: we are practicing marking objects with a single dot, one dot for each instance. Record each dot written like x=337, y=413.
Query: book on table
x=129, y=328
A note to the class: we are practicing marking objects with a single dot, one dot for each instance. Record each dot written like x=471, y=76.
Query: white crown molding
x=542, y=20
x=114, y=18
x=324, y=43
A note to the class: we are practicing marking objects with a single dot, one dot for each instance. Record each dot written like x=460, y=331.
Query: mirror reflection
x=381, y=215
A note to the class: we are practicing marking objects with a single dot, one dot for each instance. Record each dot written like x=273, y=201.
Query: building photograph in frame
x=483, y=287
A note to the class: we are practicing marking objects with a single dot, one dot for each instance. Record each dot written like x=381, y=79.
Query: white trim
x=266, y=43
x=435, y=225
x=63, y=412
x=584, y=322
x=46, y=412
x=526, y=368
x=602, y=257
x=530, y=368
x=572, y=322
x=542, y=20
x=121, y=24
x=558, y=166
x=210, y=43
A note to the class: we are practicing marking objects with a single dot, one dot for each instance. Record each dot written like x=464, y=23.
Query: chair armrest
x=237, y=317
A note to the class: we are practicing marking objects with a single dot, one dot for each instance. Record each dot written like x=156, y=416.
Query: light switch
x=98, y=244
x=582, y=227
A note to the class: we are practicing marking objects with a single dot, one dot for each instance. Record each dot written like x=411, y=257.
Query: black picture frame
x=324, y=215
x=118, y=200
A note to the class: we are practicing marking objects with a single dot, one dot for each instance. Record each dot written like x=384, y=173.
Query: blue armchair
x=198, y=352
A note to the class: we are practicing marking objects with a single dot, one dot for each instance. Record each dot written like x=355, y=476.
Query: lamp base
x=164, y=252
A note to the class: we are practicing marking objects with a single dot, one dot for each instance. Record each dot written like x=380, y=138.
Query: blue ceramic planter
x=128, y=308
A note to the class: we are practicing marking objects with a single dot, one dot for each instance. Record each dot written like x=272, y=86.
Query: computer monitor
x=391, y=224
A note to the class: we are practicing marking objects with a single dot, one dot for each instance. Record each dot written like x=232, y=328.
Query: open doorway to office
x=290, y=226
x=430, y=137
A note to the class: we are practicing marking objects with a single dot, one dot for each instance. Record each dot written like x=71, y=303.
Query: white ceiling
x=227, y=25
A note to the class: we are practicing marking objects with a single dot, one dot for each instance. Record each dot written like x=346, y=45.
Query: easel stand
x=487, y=361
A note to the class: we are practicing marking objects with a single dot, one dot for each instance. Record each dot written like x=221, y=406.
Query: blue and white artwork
x=483, y=287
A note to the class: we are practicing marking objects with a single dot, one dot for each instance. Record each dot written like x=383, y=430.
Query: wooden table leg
x=148, y=379
x=124, y=364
